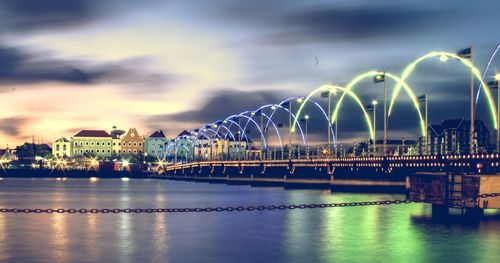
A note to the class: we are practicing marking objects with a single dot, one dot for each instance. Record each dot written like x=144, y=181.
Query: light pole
x=497, y=80
x=381, y=78
x=307, y=142
x=374, y=103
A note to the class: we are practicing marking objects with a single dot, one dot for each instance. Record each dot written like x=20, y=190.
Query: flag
x=379, y=78
x=465, y=53
x=422, y=98
x=493, y=84
x=303, y=120
x=285, y=104
x=235, y=118
x=280, y=125
x=257, y=113
x=369, y=107
x=218, y=123
x=325, y=94
x=197, y=130
x=207, y=126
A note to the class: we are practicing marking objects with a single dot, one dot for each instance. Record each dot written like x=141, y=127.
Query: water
x=401, y=233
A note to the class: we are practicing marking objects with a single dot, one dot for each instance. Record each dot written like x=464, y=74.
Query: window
x=129, y=144
x=97, y=143
x=57, y=147
x=64, y=147
x=109, y=144
x=140, y=144
x=135, y=144
x=86, y=143
x=97, y=150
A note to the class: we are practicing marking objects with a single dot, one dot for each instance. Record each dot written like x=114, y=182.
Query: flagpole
x=374, y=129
x=328, y=126
x=471, y=143
x=498, y=111
x=385, y=116
x=426, y=127
x=290, y=129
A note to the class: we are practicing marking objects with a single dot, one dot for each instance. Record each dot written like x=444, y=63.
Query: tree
x=30, y=150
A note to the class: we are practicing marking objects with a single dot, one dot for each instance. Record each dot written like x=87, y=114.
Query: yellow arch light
x=400, y=82
x=333, y=88
x=443, y=56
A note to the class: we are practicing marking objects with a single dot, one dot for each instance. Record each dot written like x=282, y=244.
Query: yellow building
x=91, y=142
x=61, y=147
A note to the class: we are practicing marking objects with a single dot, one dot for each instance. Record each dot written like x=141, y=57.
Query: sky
x=175, y=65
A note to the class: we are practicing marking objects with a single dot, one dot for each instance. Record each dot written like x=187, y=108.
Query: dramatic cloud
x=222, y=104
x=19, y=66
x=35, y=14
x=12, y=126
x=360, y=23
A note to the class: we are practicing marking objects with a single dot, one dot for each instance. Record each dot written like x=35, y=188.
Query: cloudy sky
x=174, y=65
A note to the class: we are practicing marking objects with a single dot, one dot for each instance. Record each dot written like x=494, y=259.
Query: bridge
x=444, y=181
x=344, y=172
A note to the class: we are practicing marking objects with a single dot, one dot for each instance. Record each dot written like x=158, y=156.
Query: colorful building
x=156, y=144
x=132, y=143
x=91, y=143
x=61, y=148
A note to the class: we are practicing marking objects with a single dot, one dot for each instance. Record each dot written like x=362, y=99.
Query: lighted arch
x=351, y=94
x=279, y=105
x=400, y=81
x=258, y=128
x=485, y=71
x=268, y=119
x=409, y=69
x=229, y=119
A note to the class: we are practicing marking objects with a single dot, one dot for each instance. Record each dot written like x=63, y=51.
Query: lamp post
x=381, y=78
x=374, y=103
x=497, y=80
x=307, y=142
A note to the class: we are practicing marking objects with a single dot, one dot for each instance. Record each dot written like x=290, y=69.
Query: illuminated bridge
x=367, y=173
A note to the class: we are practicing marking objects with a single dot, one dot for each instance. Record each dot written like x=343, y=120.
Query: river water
x=399, y=233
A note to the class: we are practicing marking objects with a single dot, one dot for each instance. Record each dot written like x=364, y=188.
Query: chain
x=210, y=209
x=199, y=209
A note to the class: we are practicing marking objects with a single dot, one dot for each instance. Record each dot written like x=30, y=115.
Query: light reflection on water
x=403, y=233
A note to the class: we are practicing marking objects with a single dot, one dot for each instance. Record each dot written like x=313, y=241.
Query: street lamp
x=380, y=77
x=374, y=103
x=497, y=80
x=307, y=142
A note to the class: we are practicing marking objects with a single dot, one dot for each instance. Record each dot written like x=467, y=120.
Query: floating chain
x=209, y=209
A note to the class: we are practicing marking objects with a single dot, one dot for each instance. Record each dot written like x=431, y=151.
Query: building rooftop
x=184, y=133
x=92, y=133
x=157, y=134
x=62, y=139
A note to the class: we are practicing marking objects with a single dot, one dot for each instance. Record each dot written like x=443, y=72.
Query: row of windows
x=108, y=143
x=58, y=148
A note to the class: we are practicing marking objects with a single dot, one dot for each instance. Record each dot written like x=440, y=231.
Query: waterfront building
x=132, y=143
x=182, y=147
x=61, y=147
x=202, y=149
x=237, y=147
x=452, y=137
x=156, y=144
x=91, y=143
x=116, y=140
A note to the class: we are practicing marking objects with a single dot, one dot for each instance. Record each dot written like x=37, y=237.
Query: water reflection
x=399, y=233
x=59, y=238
